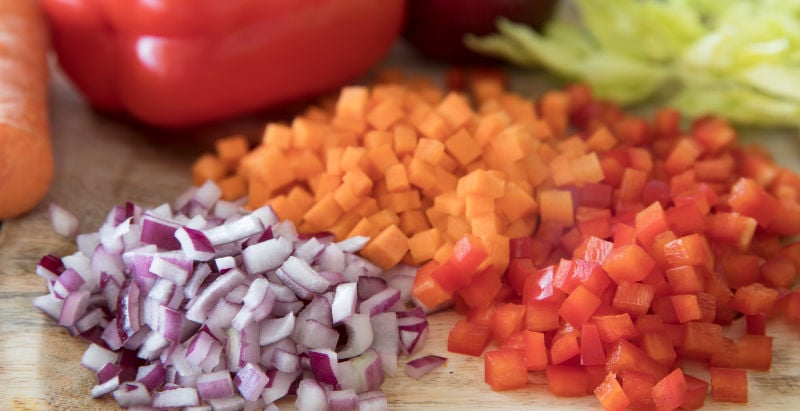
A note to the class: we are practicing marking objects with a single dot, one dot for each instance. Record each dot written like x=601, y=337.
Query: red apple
x=437, y=27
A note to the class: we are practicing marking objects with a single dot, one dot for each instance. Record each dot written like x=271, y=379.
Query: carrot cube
x=556, y=206
x=385, y=114
x=208, y=167
x=388, y=248
x=455, y=110
x=463, y=147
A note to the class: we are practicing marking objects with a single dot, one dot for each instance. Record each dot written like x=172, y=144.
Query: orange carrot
x=26, y=159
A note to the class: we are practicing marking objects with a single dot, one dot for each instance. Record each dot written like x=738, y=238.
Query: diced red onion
x=49, y=304
x=68, y=282
x=152, y=346
x=380, y=302
x=107, y=372
x=309, y=250
x=137, y=339
x=87, y=242
x=172, y=267
x=423, y=365
x=152, y=375
x=359, y=336
x=332, y=258
x=373, y=401
x=314, y=334
x=222, y=313
x=386, y=340
x=344, y=302
x=362, y=373
x=131, y=394
x=232, y=403
x=175, y=398
x=207, y=194
x=301, y=273
x=200, y=347
x=310, y=396
x=285, y=361
x=128, y=315
x=75, y=305
x=211, y=294
x=226, y=209
x=237, y=294
x=353, y=244
x=342, y=400
x=200, y=274
x=64, y=222
x=236, y=230
x=275, y=329
x=94, y=318
x=158, y=231
x=323, y=364
x=105, y=388
x=250, y=380
x=282, y=293
x=369, y=286
x=225, y=263
x=215, y=385
x=95, y=357
x=82, y=265
x=195, y=244
x=278, y=385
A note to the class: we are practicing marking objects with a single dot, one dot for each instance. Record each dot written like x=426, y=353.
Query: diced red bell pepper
x=658, y=345
x=541, y=316
x=667, y=122
x=426, y=290
x=624, y=234
x=514, y=341
x=175, y=63
x=483, y=315
x=567, y=380
x=615, y=327
x=535, y=350
x=623, y=355
x=778, y=272
x=692, y=249
x=570, y=273
x=684, y=279
x=596, y=195
x=633, y=297
x=508, y=319
x=685, y=219
x=483, y=288
x=729, y=385
x=449, y=277
x=579, y=306
x=540, y=286
x=696, y=392
x=755, y=352
x=592, y=352
x=519, y=247
x=731, y=228
x=649, y=223
x=469, y=253
x=611, y=395
x=756, y=324
x=713, y=133
x=517, y=273
x=593, y=249
x=701, y=340
x=505, y=369
x=750, y=199
x=628, y=263
x=638, y=387
x=686, y=307
x=670, y=392
x=726, y=356
x=754, y=299
x=741, y=269
x=468, y=338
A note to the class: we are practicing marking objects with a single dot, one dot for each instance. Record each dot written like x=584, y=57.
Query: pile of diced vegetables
x=597, y=247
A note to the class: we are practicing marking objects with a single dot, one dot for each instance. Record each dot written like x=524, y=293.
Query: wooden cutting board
x=102, y=161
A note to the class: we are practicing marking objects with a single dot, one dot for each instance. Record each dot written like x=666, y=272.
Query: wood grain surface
x=102, y=161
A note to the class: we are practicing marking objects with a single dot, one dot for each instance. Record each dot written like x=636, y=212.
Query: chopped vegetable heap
x=737, y=59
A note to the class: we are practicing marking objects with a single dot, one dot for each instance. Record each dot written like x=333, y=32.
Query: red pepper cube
x=567, y=380
x=713, y=133
x=624, y=234
x=517, y=272
x=505, y=369
x=649, y=323
x=755, y=352
x=727, y=356
x=611, y=395
x=685, y=219
x=535, y=350
x=514, y=342
x=778, y=272
x=688, y=250
x=750, y=199
x=579, y=306
x=792, y=309
x=658, y=345
x=729, y=385
x=696, y=392
x=592, y=352
x=683, y=155
x=684, y=279
x=508, y=319
x=649, y=223
x=468, y=338
x=593, y=249
x=638, y=387
x=628, y=263
x=756, y=324
x=708, y=307
x=686, y=307
x=519, y=247
x=662, y=307
x=670, y=392
x=701, y=340
x=741, y=269
x=449, y=277
x=731, y=228
x=615, y=327
x=541, y=316
x=469, y=253
x=591, y=275
x=565, y=346
x=623, y=356
x=540, y=286
x=754, y=299
x=483, y=288
x=633, y=297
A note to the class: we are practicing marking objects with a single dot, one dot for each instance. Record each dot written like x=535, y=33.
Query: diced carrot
x=208, y=167
x=231, y=149
x=556, y=206
x=385, y=114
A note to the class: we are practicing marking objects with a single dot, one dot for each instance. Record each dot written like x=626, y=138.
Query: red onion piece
x=311, y=396
x=278, y=385
x=353, y=244
x=105, y=388
x=130, y=394
x=359, y=336
x=342, y=400
x=304, y=275
x=215, y=385
x=152, y=376
x=49, y=267
x=232, y=403
x=344, y=302
x=250, y=380
x=128, y=314
x=75, y=305
x=372, y=401
x=172, y=267
x=95, y=357
x=267, y=255
x=64, y=222
x=107, y=372
x=369, y=286
x=175, y=398
x=314, y=334
x=423, y=365
x=240, y=229
x=211, y=294
x=68, y=282
x=380, y=302
x=275, y=329
x=195, y=244
x=323, y=364
x=158, y=231
x=285, y=361
x=362, y=373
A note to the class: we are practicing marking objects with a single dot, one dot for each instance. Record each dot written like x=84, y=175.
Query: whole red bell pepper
x=187, y=62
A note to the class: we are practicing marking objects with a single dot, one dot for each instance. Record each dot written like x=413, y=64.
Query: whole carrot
x=26, y=159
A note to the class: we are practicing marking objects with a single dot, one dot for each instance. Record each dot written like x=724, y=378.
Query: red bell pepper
x=177, y=63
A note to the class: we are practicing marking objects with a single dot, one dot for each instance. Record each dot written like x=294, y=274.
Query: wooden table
x=102, y=161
